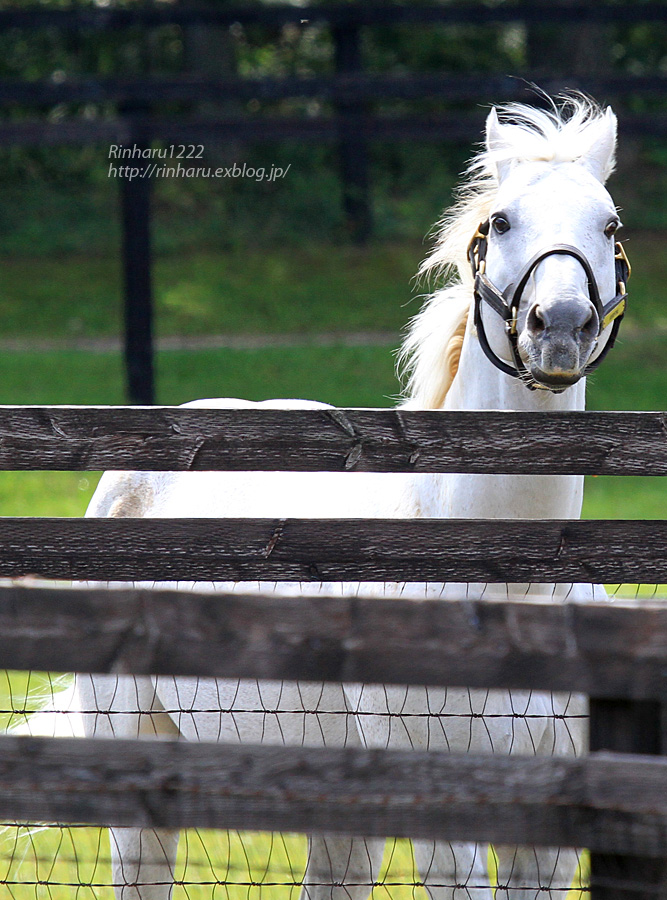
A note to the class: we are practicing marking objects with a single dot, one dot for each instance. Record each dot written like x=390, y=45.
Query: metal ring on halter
x=506, y=303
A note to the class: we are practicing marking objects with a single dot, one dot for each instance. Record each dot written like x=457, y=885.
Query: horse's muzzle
x=558, y=339
x=556, y=366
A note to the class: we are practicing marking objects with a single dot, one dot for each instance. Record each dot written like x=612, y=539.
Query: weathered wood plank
x=605, y=650
x=322, y=550
x=169, y=438
x=626, y=726
x=605, y=802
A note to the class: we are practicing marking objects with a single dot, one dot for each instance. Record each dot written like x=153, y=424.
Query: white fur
x=549, y=169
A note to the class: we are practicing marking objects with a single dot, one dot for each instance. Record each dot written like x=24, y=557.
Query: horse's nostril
x=536, y=322
x=590, y=326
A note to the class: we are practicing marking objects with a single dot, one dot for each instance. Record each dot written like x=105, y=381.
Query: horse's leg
x=284, y=713
x=453, y=871
x=142, y=859
x=341, y=867
x=523, y=872
x=435, y=719
x=527, y=872
x=143, y=862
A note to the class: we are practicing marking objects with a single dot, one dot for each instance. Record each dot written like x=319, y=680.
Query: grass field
x=229, y=865
x=311, y=288
x=633, y=377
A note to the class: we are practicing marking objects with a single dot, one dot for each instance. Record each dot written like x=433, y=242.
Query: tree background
x=411, y=183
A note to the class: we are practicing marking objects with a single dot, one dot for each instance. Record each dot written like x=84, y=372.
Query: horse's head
x=550, y=284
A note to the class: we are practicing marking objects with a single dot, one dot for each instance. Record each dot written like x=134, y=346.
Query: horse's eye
x=500, y=224
x=612, y=228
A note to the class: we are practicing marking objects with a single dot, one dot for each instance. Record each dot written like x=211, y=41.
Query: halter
x=506, y=303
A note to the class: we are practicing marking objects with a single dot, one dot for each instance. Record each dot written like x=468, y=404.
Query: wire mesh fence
x=60, y=862
x=56, y=861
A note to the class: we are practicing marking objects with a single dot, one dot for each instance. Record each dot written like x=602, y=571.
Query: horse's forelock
x=559, y=134
x=562, y=133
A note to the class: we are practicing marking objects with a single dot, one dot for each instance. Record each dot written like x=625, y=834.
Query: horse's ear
x=497, y=146
x=600, y=158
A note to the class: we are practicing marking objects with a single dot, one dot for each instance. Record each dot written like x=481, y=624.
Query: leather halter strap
x=506, y=303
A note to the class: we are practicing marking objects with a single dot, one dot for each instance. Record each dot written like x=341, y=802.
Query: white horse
x=548, y=297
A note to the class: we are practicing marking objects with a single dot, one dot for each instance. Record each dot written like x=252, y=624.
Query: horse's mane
x=429, y=357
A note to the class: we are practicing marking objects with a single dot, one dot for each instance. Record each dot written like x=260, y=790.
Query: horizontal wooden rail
x=329, y=439
x=614, y=650
x=368, y=13
x=605, y=802
x=443, y=127
x=323, y=550
x=186, y=130
x=342, y=88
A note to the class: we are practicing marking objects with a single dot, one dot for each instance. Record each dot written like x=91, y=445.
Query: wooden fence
x=613, y=801
x=139, y=119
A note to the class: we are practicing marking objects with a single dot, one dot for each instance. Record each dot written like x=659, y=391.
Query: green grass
x=310, y=289
x=631, y=497
x=316, y=288
x=24, y=692
x=239, y=861
x=634, y=374
x=632, y=377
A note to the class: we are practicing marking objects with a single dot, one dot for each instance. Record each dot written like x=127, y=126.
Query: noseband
x=506, y=303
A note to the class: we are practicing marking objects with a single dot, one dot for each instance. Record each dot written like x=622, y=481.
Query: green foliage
x=411, y=183
x=445, y=48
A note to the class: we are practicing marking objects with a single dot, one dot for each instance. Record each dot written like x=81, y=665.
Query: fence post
x=353, y=149
x=135, y=190
x=627, y=726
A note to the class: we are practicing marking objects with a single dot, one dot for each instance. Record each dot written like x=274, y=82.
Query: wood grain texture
x=605, y=802
x=177, y=439
x=319, y=550
x=605, y=650
x=624, y=726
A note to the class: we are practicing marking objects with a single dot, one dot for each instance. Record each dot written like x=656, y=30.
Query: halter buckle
x=477, y=249
x=510, y=325
x=622, y=257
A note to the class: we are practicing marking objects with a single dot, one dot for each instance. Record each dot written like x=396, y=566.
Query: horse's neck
x=479, y=385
